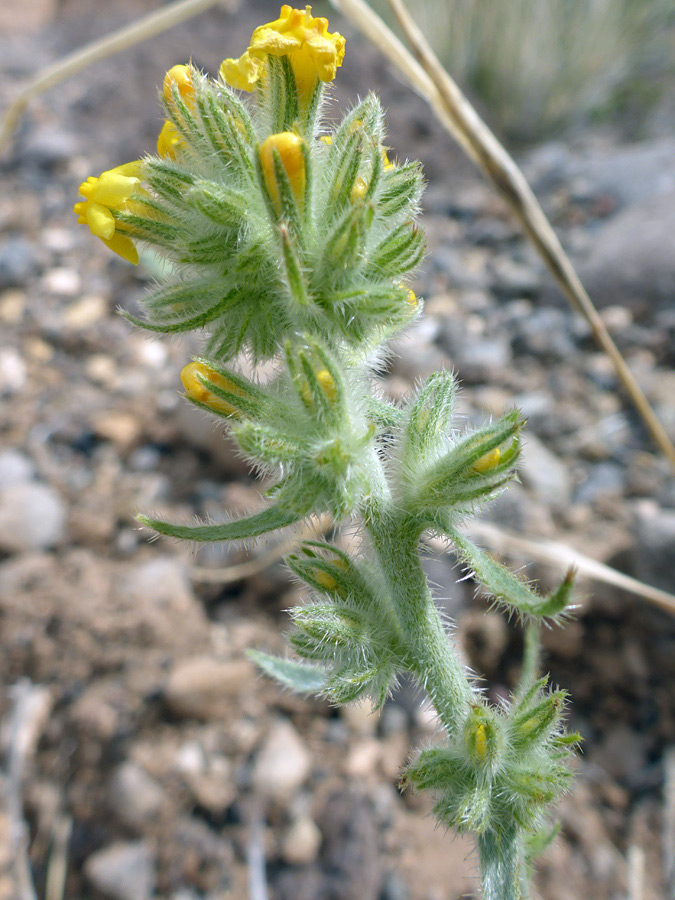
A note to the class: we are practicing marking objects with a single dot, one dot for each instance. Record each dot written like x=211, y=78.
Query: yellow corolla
x=105, y=195
x=314, y=52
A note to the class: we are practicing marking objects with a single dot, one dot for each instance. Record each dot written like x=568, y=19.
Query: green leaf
x=268, y=520
x=505, y=586
x=298, y=676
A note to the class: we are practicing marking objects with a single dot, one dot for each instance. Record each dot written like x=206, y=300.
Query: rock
x=203, y=687
x=17, y=262
x=123, y=871
x=603, y=479
x=351, y=856
x=63, y=282
x=362, y=717
x=654, y=554
x=13, y=371
x=49, y=147
x=15, y=468
x=162, y=582
x=542, y=471
x=135, y=797
x=282, y=764
x=512, y=279
x=545, y=333
x=209, y=777
x=302, y=842
x=631, y=174
x=631, y=260
x=622, y=753
x=32, y=517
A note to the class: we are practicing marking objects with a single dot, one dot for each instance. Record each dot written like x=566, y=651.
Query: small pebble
x=123, y=871
x=32, y=517
x=282, y=764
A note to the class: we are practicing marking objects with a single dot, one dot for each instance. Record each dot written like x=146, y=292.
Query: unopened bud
x=483, y=465
x=289, y=147
x=178, y=78
x=191, y=377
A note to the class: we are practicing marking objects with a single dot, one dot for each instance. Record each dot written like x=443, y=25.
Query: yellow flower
x=314, y=52
x=105, y=195
x=289, y=146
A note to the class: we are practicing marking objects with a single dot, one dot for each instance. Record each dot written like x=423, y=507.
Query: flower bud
x=178, y=78
x=193, y=376
x=287, y=148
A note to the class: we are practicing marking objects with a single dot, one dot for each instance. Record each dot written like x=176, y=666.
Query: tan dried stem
x=427, y=76
x=135, y=33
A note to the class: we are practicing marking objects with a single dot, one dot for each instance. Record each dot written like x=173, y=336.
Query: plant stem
x=500, y=865
x=531, y=651
x=430, y=655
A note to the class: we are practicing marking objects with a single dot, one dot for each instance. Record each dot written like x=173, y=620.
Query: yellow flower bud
x=327, y=383
x=168, y=141
x=483, y=465
x=179, y=77
x=109, y=193
x=198, y=391
x=289, y=146
x=480, y=742
x=326, y=581
x=360, y=189
x=412, y=298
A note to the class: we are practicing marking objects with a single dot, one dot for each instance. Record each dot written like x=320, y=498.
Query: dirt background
x=162, y=766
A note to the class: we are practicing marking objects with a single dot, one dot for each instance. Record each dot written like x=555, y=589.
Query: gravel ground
x=174, y=768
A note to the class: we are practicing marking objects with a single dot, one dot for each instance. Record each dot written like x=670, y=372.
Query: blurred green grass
x=541, y=66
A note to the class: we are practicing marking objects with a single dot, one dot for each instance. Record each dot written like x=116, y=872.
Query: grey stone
x=631, y=259
x=15, y=468
x=475, y=358
x=512, y=279
x=603, y=479
x=135, y=797
x=542, y=471
x=546, y=333
x=282, y=764
x=49, y=147
x=654, y=560
x=32, y=517
x=17, y=262
x=123, y=871
x=203, y=687
x=630, y=174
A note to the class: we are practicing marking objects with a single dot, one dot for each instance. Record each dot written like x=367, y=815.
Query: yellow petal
x=100, y=220
x=123, y=246
x=113, y=188
x=242, y=73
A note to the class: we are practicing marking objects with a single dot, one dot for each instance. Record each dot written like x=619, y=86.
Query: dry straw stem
x=141, y=30
x=429, y=78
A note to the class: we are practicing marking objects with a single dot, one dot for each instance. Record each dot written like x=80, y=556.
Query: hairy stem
x=501, y=865
x=430, y=655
